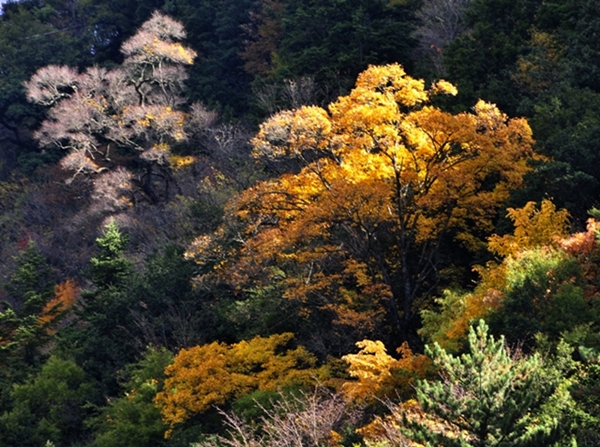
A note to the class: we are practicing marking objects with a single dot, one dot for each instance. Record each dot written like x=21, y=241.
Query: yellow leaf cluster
x=181, y=161
x=164, y=120
x=205, y=376
x=380, y=375
x=173, y=51
x=534, y=227
x=371, y=366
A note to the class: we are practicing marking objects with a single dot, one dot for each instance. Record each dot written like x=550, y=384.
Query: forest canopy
x=313, y=223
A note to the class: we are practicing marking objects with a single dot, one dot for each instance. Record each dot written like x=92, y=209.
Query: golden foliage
x=371, y=366
x=380, y=375
x=383, y=176
x=534, y=227
x=205, y=376
x=181, y=161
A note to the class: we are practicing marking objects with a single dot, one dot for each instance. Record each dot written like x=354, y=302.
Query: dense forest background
x=299, y=223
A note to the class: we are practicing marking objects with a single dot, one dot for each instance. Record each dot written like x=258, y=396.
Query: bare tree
x=289, y=94
x=300, y=92
x=136, y=106
x=308, y=420
x=441, y=22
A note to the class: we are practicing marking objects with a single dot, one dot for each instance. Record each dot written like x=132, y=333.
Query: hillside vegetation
x=308, y=223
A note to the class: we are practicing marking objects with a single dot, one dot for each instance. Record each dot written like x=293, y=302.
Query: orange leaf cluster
x=583, y=243
x=65, y=296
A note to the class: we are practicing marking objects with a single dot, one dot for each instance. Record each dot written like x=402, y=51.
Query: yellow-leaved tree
x=382, y=176
x=216, y=374
x=379, y=376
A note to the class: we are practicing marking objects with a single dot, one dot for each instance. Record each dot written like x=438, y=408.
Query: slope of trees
x=299, y=261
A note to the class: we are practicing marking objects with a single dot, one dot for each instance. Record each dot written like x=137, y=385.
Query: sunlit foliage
x=535, y=228
x=215, y=374
x=379, y=375
x=100, y=106
x=382, y=177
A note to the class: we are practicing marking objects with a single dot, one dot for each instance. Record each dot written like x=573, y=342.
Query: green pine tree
x=110, y=268
x=98, y=341
x=488, y=397
x=132, y=420
x=27, y=292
